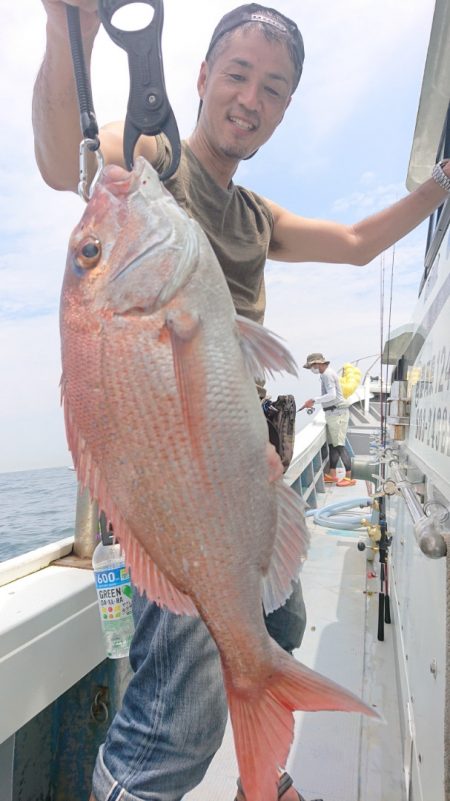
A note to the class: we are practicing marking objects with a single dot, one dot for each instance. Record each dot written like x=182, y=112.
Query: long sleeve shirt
x=331, y=390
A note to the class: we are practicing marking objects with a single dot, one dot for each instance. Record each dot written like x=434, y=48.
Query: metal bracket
x=426, y=528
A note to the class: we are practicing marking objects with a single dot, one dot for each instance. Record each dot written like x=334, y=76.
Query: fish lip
x=131, y=265
x=136, y=311
x=119, y=181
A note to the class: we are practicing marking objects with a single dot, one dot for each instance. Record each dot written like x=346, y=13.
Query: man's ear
x=202, y=79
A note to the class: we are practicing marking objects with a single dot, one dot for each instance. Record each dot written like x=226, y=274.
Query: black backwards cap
x=253, y=12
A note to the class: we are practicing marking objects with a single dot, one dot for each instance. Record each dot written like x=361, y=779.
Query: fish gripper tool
x=149, y=111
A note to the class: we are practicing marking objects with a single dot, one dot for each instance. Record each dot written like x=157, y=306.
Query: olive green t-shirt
x=237, y=222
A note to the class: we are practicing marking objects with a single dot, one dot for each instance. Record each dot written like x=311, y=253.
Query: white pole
x=366, y=395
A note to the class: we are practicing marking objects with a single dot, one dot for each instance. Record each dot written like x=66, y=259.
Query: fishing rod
x=384, y=606
x=148, y=111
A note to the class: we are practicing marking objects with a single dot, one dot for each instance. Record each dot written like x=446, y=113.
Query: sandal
x=284, y=783
x=346, y=482
x=329, y=479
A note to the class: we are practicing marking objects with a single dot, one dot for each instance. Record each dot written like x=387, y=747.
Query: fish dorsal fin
x=147, y=576
x=262, y=350
x=144, y=572
x=289, y=549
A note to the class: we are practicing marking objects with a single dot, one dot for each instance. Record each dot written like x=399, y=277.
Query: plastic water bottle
x=112, y=582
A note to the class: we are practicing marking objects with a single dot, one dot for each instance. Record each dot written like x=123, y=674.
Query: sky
x=341, y=153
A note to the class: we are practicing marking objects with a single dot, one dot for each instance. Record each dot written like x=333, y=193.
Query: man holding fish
x=142, y=288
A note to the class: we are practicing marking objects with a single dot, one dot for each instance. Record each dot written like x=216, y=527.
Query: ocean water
x=36, y=507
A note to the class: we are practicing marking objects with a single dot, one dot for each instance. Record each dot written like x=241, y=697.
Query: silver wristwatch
x=440, y=177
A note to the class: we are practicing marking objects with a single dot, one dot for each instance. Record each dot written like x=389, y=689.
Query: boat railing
x=305, y=473
x=31, y=562
x=427, y=529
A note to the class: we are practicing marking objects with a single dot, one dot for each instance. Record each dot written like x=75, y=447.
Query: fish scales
x=166, y=429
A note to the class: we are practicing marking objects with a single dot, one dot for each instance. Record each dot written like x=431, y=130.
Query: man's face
x=245, y=92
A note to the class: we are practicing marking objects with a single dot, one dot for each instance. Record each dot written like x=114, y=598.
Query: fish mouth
x=153, y=249
x=159, y=293
x=137, y=311
x=120, y=181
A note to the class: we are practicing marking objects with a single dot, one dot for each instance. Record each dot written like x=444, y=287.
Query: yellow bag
x=350, y=379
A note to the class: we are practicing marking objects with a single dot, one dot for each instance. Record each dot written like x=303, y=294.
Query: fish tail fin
x=263, y=723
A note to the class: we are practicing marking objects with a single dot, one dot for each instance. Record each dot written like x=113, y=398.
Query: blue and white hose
x=324, y=516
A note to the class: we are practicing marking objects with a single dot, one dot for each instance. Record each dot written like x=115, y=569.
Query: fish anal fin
x=263, y=723
x=289, y=548
x=263, y=352
x=146, y=575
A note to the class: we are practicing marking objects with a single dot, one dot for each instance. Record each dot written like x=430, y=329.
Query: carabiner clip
x=148, y=111
x=91, y=145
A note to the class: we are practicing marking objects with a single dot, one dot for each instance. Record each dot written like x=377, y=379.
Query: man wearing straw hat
x=336, y=416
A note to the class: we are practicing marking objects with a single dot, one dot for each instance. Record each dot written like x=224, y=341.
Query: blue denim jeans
x=174, y=711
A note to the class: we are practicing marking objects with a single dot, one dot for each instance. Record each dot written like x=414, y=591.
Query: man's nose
x=250, y=96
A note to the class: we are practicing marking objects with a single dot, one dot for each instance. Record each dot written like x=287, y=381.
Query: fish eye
x=88, y=253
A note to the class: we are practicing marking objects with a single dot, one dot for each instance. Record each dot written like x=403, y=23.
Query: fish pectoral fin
x=186, y=331
x=263, y=723
x=263, y=352
x=147, y=576
x=289, y=548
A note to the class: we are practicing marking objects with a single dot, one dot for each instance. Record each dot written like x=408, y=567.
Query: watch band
x=440, y=177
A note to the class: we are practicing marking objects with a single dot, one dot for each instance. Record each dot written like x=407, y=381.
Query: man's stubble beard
x=234, y=152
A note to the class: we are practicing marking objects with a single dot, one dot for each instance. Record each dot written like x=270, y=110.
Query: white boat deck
x=337, y=756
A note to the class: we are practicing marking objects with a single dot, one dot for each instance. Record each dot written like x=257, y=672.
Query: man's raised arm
x=56, y=117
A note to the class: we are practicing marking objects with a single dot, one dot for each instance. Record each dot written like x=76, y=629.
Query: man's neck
x=220, y=168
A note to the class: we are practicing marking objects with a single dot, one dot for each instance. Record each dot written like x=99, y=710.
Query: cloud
x=31, y=420
x=336, y=309
x=373, y=199
x=351, y=48
x=35, y=227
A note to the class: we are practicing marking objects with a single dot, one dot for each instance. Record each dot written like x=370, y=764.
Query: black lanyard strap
x=88, y=122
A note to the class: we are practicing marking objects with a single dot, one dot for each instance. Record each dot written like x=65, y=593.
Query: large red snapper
x=165, y=427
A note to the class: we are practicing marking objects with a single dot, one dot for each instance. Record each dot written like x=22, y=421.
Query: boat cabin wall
x=425, y=349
